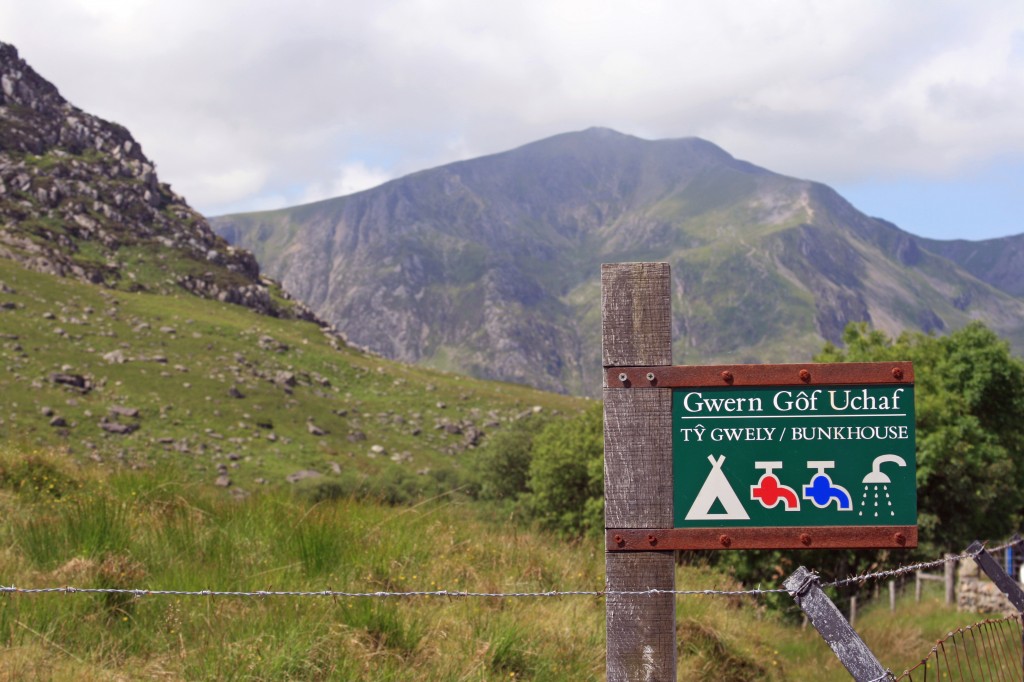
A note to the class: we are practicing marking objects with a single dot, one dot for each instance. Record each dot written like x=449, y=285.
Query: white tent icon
x=716, y=487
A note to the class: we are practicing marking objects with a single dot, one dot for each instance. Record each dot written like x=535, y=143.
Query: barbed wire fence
x=989, y=650
x=757, y=592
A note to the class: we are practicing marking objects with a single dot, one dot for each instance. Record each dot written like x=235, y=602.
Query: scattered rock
x=302, y=475
x=46, y=411
x=472, y=436
x=356, y=436
x=76, y=381
x=58, y=422
x=122, y=411
x=377, y=450
x=115, y=357
x=269, y=343
x=313, y=429
x=118, y=428
x=223, y=481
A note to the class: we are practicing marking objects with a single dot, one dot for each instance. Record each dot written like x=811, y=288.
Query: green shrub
x=502, y=467
x=566, y=477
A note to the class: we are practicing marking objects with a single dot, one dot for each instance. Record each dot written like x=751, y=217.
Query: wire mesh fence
x=988, y=650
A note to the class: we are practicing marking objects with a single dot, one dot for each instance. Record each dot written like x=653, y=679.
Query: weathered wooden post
x=637, y=331
x=949, y=573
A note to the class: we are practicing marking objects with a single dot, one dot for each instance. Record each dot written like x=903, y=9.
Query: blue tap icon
x=822, y=491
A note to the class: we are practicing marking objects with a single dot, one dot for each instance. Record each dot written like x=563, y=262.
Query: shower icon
x=876, y=475
x=875, y=501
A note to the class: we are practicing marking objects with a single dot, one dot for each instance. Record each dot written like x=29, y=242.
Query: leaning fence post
x=995, y=572
x=834, y=629
x=636, y=314
x=1009, y=586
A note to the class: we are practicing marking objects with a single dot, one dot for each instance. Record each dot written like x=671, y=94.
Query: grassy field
x=64, y=524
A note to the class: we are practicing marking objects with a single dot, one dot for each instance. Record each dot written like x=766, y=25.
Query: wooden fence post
x=849, y=648
x=949, y=572
x=636, y=313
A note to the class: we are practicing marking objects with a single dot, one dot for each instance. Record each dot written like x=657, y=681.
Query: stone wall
x=977, y=594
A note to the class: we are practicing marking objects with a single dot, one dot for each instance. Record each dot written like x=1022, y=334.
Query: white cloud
x=243, y=102
x=349, y=179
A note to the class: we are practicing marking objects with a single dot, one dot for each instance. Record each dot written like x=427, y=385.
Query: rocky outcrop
x=78, y=198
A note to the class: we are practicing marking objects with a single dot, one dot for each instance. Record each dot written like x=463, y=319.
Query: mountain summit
x=491, y=266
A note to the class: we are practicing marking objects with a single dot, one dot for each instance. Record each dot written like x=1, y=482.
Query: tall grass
x=142, y=530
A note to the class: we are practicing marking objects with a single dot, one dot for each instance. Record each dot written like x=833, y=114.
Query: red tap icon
x=769, y=491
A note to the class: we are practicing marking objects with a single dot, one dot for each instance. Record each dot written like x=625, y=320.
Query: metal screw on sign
x=805, y=376
x=897, y=374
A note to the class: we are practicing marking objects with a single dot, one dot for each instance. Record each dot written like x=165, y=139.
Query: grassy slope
x=181, y=382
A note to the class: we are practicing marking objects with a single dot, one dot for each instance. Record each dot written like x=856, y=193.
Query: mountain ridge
x=490, y=265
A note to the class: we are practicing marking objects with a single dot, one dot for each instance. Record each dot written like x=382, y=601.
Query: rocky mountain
x=491, y=266
x=78, y=198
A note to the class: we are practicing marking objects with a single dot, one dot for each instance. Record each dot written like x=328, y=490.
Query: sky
x=912, y=109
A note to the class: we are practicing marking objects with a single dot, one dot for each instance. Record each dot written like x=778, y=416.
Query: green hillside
x=221, y=390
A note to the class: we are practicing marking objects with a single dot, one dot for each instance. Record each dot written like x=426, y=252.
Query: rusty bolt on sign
x=897, y=374
x=805, y=539
x=724, y=540
x=805, y=376
x=652, y=540
x=900, y=538
x=727, y=376
x=620, y=541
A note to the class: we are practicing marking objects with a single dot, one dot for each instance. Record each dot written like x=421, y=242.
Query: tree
x=969, y=408
x=566, y=477
x=970, y=434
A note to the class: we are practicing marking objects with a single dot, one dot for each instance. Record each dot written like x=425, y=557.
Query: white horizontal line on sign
x=796, y=416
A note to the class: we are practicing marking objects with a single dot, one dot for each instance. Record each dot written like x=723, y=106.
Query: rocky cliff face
x=78, y=198
x=491, y=266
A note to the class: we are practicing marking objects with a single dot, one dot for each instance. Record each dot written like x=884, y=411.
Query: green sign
x=777, y=456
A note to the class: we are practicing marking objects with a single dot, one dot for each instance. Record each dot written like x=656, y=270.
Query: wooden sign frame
x=807, y=375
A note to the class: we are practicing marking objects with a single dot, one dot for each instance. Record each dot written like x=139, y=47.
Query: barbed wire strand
x=138, y=593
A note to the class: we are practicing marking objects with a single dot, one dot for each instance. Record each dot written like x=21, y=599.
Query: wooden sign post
x=636, y=319
x=733, y=457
